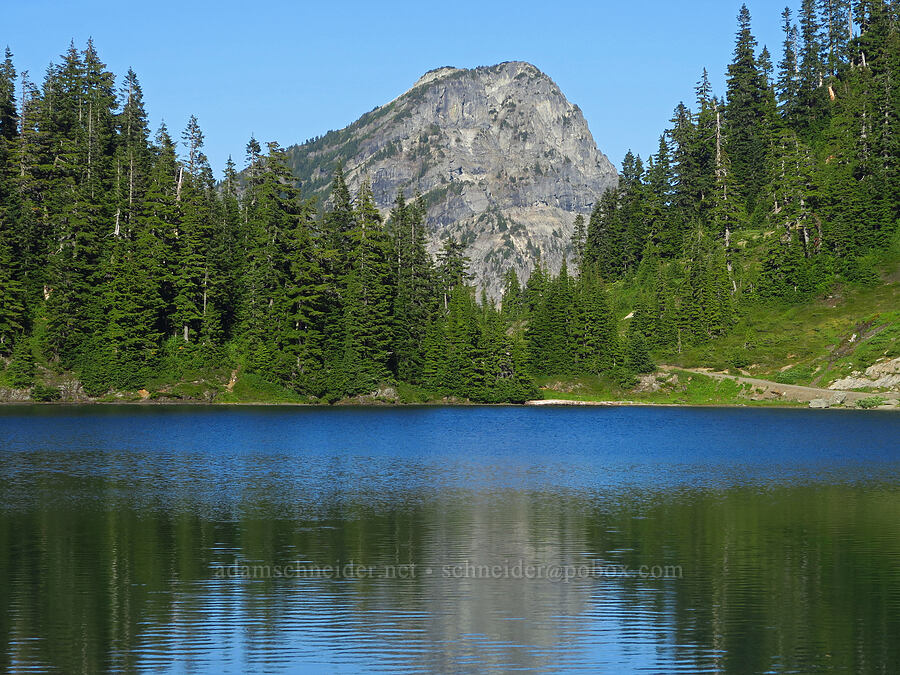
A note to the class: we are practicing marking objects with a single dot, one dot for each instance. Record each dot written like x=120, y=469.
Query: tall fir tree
x=368, y=322
x=745, y=116
x=788, y=84
x=413, y=303
x=12, y=288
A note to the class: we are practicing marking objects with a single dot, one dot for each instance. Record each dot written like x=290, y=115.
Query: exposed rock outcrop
x=504, y=161
x=10, y=395
x=882, y=375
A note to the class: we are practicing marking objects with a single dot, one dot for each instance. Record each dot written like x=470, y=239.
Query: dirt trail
x=793, y=392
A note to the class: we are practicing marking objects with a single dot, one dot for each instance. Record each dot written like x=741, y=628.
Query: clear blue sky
x=288, y=71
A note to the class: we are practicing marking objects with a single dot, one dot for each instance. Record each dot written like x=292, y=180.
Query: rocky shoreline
x=356, y=402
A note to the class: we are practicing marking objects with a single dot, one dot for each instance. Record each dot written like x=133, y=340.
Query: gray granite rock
x=504, y=161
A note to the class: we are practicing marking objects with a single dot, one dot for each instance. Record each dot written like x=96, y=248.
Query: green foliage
x=795, y=161
x=747, y=114
x=44, y=393
x=871, y=402
x=252, y=388
x=798, y=375
x=414, y=301
x=676, y=388
x=124, y=262
x=624, y=377
x=367, y=320
x=412, y=394
x=884, y=344
x=738, y=358
x=20, y=371
x=637, y=357
x=826, y=338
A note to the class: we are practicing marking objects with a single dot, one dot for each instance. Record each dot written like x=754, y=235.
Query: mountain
x=504, y=161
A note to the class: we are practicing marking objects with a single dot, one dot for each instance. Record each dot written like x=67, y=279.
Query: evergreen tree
x=131, y=304
x=727, y=211
x=284, y=285
x=132, y=156
x=159, y=221
x=836, y=33
x=659, y=196
x=452, y=269
x=78, y=126
x=123, y=263
x=20, y=371
x=631, y=215
x=513, y=301
x=302, y=339
x=368, y=293
x=454, y=364
x=637, y=357
x=605, y=239
x=190, y=270
x=502, y=370
x=745, y=116
x=549, y=328
x=788, y=85
x=579, y=237
x=12, y=289
x=9, y=117
x=226, y=260
x=704, y=143
x=664, y=334
x=27, y=190
x=688, y=178
x=812, y=70
x=12, y=310
x=413, y=303
x=594, y=335
x=811, y=67
x=335, y=248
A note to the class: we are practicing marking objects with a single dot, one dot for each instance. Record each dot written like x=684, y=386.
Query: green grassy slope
x=814, y=343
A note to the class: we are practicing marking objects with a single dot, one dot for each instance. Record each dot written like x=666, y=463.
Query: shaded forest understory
x=761, y=237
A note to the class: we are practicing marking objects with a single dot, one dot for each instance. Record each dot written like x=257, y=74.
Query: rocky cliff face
x=504, y=161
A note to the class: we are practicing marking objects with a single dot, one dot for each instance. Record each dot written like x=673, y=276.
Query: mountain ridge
x=503, y=160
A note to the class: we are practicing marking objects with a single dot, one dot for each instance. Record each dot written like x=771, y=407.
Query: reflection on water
x=158, y=539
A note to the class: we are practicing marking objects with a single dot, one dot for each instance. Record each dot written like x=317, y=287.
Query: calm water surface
x=462, y=539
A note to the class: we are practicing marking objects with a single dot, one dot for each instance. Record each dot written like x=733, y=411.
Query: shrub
x=637, y=357
x=871, y=402
x=20, y=371
x=43, y=393
x=626, y=379
x=798, y=375
x=738, y=358
x=94, y=375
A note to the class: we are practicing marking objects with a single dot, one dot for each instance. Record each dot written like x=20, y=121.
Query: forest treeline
x=123, y=260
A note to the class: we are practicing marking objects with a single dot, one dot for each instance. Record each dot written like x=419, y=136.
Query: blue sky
x=288, y=71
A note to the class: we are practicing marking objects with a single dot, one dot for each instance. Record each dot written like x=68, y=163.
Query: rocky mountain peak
x=435, y=74
x=504, y=161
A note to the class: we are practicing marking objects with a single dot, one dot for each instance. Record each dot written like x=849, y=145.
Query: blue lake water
x=283, y=539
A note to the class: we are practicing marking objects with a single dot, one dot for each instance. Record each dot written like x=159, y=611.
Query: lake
x=283, y=539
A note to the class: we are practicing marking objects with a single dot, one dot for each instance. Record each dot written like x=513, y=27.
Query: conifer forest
x=125, y=261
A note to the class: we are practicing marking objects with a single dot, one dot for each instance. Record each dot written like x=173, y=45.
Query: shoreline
x=536, y=403
x=669, y=386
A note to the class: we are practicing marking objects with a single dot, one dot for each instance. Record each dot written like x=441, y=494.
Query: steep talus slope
x=503, y=159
